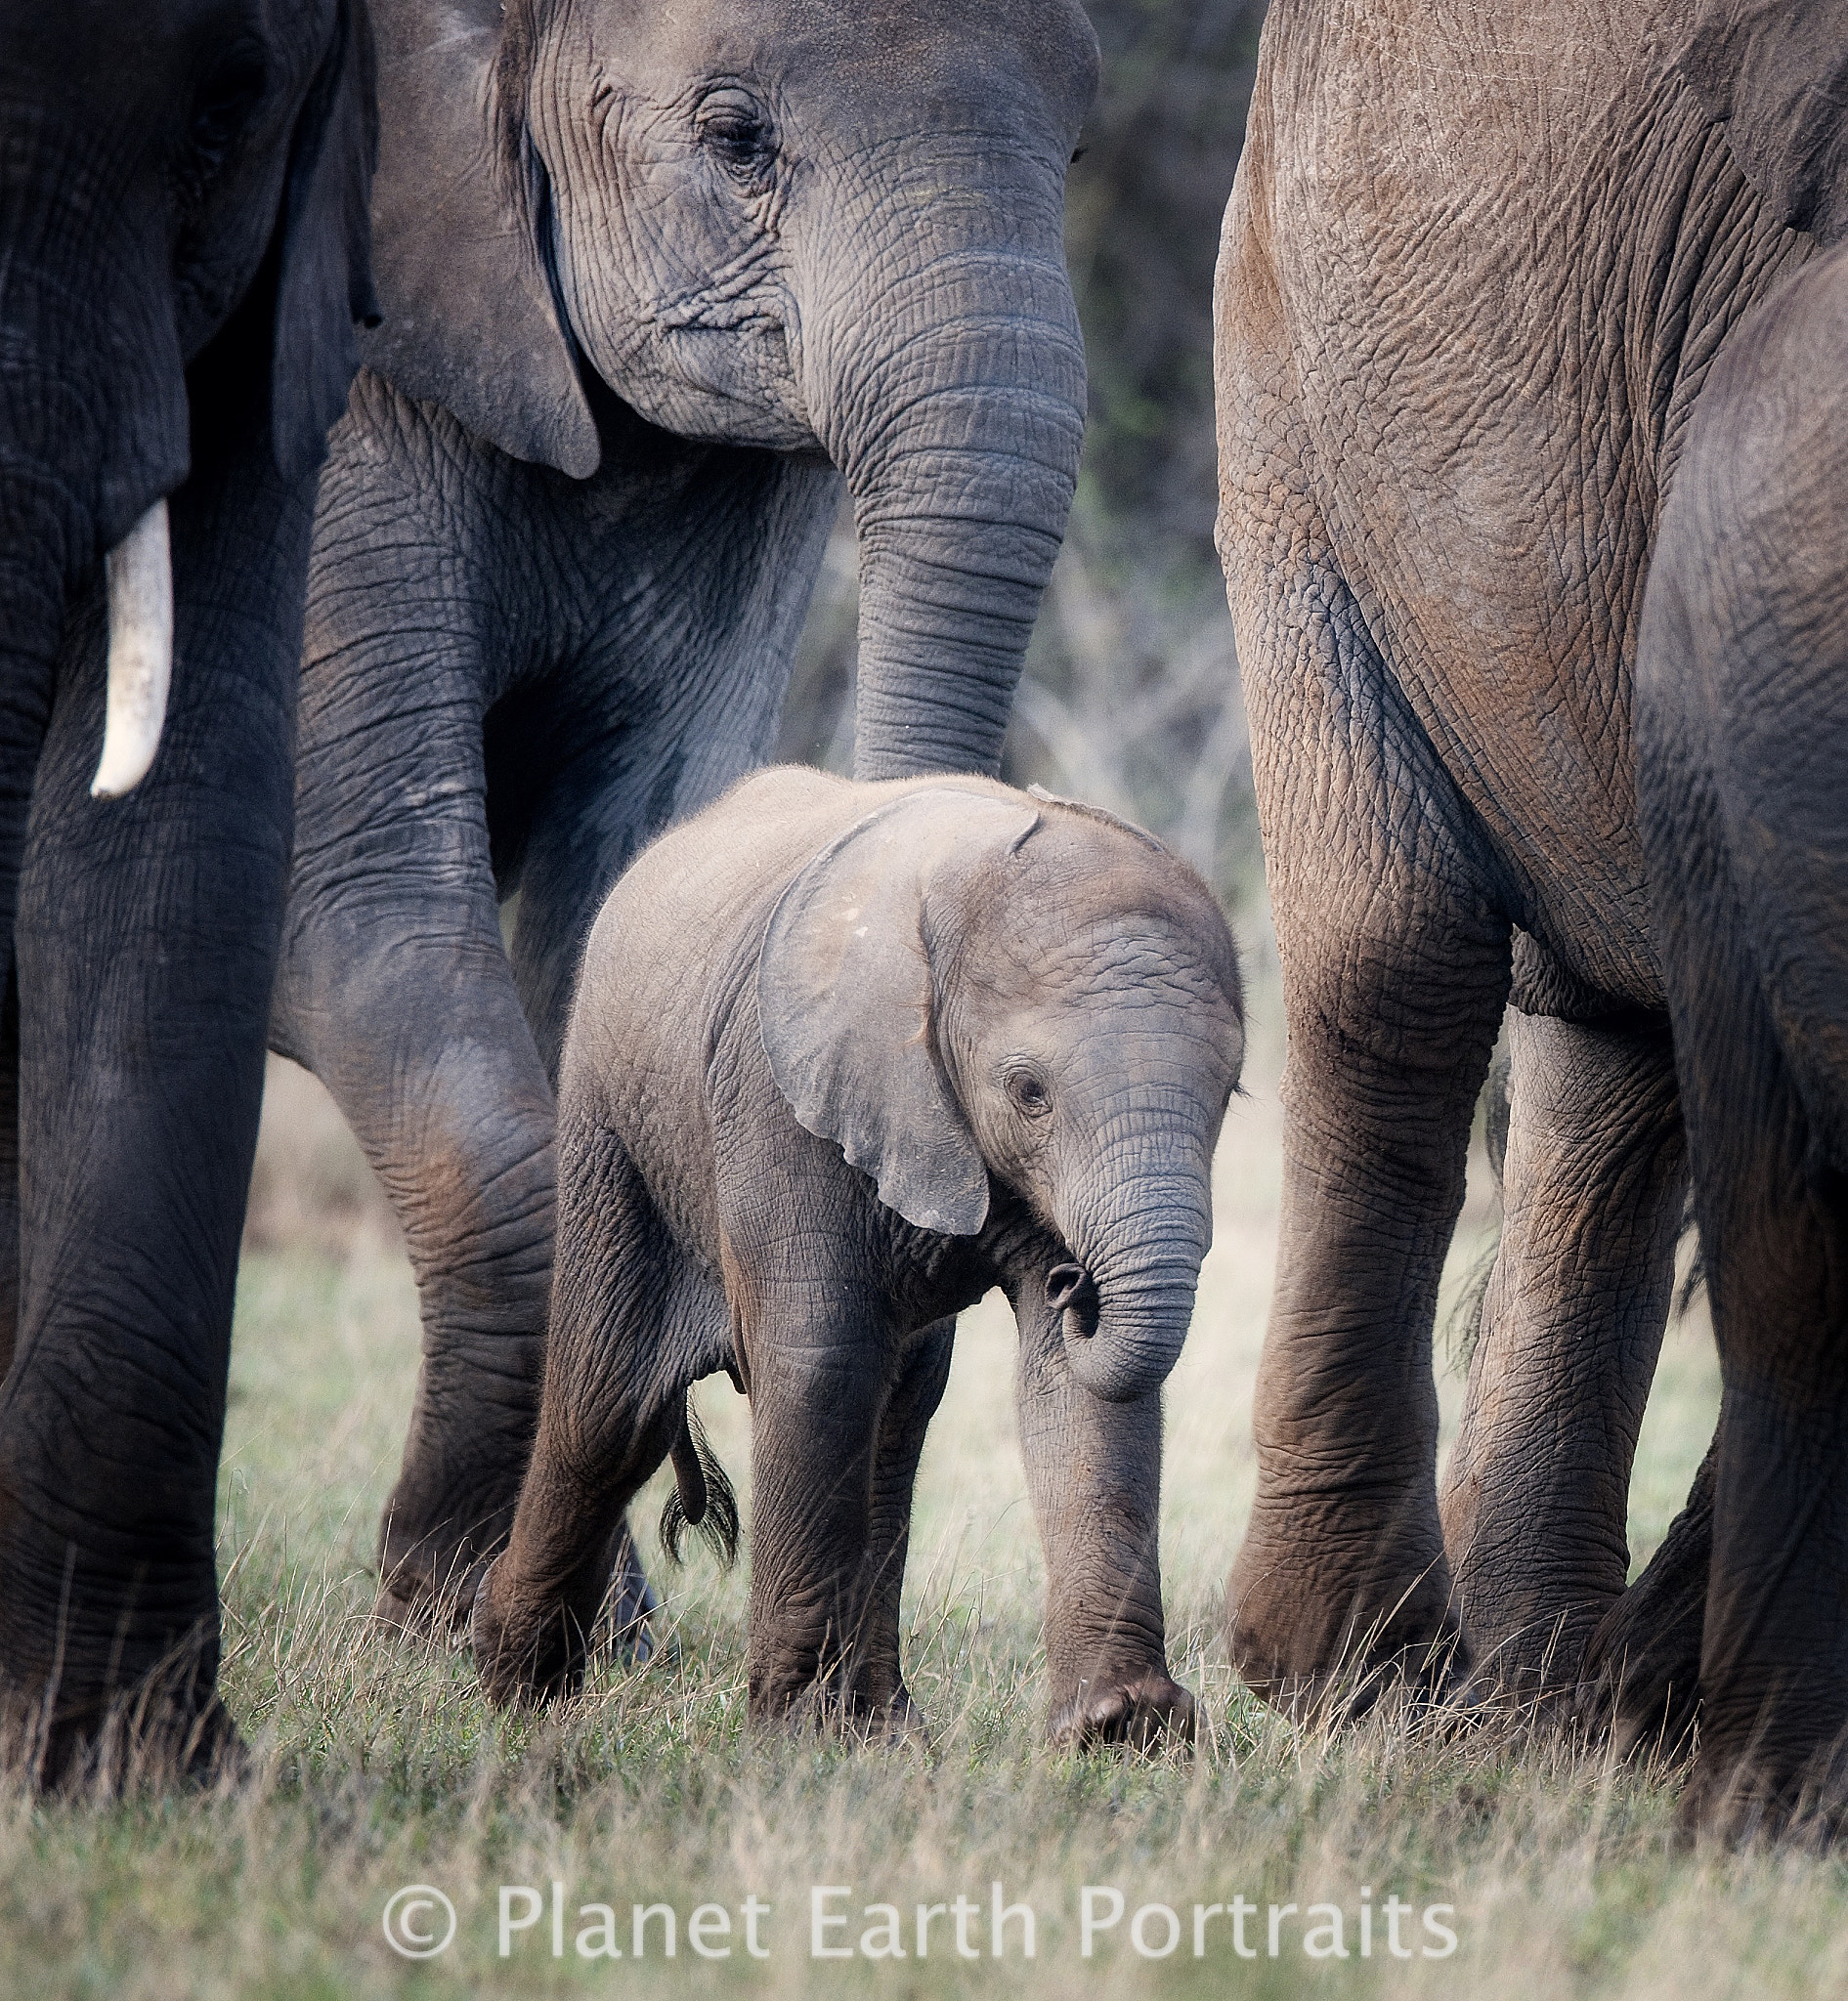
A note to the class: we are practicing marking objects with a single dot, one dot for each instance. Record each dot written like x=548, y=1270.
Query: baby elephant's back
x=679, y=937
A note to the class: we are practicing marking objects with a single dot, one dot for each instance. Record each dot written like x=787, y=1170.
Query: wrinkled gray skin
x=843, y=1057
x=1475, y=281
x=183, y=250
x=653, y=271
x=1742, y=722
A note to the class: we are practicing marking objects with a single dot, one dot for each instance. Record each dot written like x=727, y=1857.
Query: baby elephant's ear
x=845, y=995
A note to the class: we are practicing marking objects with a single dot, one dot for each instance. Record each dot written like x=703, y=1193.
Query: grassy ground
x=377, y=1765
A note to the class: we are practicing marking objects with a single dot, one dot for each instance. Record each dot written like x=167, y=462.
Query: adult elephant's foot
x=1144, y=1712
x=879, y=1713
x=1538, y=1670
x=452, y=1510
x=1641, y=1676
x=1775, y=1787
x=168, y=1732
x=1313, y=1642
x=529, y=1648
x=427, y=1583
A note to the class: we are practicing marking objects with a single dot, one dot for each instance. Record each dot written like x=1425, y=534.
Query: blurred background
x=1131, y=696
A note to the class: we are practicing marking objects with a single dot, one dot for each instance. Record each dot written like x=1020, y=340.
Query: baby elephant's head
x=970, y=981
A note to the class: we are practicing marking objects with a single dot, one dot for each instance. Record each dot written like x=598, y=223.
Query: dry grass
x=377, y=1765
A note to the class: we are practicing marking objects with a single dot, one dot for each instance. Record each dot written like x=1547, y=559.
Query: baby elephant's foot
x=524, y=1651
x=1148, y=1711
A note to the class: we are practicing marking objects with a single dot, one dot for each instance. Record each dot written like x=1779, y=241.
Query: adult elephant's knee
x=414, y=1025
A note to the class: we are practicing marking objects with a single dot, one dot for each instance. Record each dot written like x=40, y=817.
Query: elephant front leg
x=396, y=990
x=907, y=1416
x=146, y=937
x=1536, y=1498
x=1094, y=1469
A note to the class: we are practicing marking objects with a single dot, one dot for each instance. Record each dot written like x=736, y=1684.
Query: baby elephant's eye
x=1029, y=1093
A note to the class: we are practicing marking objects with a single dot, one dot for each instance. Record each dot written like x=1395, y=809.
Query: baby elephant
x=842, y=1057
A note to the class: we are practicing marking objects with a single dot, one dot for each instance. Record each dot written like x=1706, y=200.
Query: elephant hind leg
x=1640, y=1673
x=611, y=1409
x=1741, y=699
x=1535, y=1496
x=880, y=1685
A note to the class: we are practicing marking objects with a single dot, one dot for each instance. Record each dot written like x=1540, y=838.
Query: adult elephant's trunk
x=1128, y=1299
x=957, y=420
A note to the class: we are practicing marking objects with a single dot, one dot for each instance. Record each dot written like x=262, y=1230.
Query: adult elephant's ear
x=846, y=997
x=470, y=321
x=325, y=279
x=1774, y=72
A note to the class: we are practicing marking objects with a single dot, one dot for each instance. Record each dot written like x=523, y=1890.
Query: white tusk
x=139, y=572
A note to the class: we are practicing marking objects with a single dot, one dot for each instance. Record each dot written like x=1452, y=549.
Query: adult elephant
x=1741, y=719
x=182, y=245
x=650, y=276
x=1475, y=283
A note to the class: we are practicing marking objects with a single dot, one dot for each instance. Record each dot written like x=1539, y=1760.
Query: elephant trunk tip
x=1119, y=1352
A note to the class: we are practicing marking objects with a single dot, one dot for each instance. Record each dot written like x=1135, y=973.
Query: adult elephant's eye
x=224, y=104
x=1029, y=1093
x=736, y=130
x=221, y=108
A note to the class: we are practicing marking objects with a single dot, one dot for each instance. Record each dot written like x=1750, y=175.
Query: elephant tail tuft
x=702, y=1497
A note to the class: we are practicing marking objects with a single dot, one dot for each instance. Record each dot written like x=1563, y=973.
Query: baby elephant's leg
x=1094, y=1469
x=612, y=1406
x=909, y=1410
x=816, y=1400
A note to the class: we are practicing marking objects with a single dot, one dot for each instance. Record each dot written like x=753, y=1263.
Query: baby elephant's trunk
x=1128, y=1299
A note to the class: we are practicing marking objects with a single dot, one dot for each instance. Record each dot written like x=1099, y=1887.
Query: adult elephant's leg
x=1774, y=1220
x=25, y=698
x=1396, y=969
x=1536, y=1497
x=1641, y=1674
x=1093, y=1471
x=1742, y=731
x=146, y=937
x=906, y=1418
x=675, y=696
x=396, y=990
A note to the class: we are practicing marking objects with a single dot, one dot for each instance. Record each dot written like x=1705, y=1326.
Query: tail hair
x=701, y=1497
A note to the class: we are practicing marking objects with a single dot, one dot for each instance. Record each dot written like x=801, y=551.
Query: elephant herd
x=1532, y=366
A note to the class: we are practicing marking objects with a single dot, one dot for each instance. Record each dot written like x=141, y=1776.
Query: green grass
x=377, y=1765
